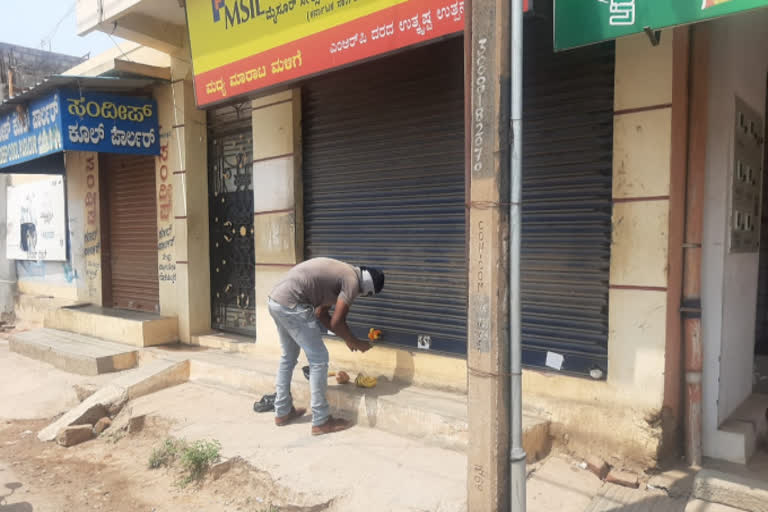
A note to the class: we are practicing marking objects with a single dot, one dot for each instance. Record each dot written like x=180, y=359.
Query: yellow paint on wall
x=273, y=131
x=46, y=289
x=643, y=73
x=637, y=341
x=640, y=242
x=642, y=147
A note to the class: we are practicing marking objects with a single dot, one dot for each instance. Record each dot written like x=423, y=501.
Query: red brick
x=623, y=478
x=598, y=466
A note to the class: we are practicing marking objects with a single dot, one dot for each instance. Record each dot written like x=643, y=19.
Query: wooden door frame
x=105, y=231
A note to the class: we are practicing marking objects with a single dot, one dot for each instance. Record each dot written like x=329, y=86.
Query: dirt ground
x=111, y=473
x=283, y=469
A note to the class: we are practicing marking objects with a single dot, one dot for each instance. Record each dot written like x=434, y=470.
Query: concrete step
x=437, y=417
x=73, y=353
x=705, y=506
x=740, y=435
x=129, y=327
x=732, y=490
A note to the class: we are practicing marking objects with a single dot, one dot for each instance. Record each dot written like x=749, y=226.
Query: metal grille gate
x=384, y=186
x=230, y=200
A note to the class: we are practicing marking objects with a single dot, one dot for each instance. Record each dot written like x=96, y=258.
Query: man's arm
x=340, y=328
x=323, y=317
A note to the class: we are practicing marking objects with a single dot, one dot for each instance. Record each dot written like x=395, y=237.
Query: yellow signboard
x=239, y=46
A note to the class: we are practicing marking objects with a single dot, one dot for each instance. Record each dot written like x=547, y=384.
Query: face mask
x=366, y=285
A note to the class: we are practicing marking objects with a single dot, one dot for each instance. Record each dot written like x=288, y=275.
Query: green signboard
x=583, y=22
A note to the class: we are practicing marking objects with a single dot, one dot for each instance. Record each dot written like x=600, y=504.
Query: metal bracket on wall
x=653, y=35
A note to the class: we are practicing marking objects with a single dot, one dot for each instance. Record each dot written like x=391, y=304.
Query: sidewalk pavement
x=361, y=468
x=31, y=389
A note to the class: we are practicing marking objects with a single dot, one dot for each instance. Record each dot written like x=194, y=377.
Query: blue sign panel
x=109, y=123
x=73, y=121
x=31, y=132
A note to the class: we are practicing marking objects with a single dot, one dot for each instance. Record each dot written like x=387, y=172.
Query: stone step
x=129, y=327
x=74, y=353
x=732, y=490
x=705, y=506
x=739, y=436
x=435, y=416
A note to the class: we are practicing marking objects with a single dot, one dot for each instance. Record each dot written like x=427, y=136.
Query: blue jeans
x=299, y=329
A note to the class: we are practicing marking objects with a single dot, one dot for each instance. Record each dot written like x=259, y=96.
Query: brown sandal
x=290, y=417
x=331, y=426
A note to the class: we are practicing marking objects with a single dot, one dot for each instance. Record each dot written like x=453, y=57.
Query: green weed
x=166, y=454
x=197, y=458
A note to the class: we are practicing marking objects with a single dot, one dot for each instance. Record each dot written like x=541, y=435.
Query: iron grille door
x=383, y=152
x=567, y=201
x=230, y=200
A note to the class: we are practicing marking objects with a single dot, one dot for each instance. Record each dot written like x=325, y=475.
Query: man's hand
x=340, y=328
x=355, y=345
x=321, y=313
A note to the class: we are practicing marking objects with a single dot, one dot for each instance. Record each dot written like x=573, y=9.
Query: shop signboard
x=108, y=123
x=243, y=46
x=70, y=120
x=583, y=22
x=31, y=131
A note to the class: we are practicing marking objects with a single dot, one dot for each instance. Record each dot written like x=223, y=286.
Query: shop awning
x=583, y=22
x=71, y=113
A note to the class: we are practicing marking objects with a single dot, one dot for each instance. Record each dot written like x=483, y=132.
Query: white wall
x=738, y=67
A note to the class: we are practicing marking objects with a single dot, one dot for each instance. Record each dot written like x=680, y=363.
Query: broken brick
x=623, y=478
x=598, y=466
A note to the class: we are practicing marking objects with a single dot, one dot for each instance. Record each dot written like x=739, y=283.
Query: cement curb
x=731, y=490
x=434, y=416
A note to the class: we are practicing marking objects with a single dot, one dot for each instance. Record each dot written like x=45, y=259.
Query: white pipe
x=517, y=454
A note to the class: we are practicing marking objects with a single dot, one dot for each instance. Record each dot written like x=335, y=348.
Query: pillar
x=277, y=199
x=182, y=205
x=488, y=331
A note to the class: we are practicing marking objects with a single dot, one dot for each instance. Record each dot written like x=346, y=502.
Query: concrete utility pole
x=491, y=287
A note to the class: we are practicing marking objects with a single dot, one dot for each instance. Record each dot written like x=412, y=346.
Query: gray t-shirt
x=318, y=282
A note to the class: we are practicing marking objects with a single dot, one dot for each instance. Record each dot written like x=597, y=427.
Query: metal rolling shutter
x=384, y=186
x=567, y=180
x=133, y=231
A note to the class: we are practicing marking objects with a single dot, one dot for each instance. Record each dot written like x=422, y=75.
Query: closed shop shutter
x=384, y=186
x=130, y=184
x=567, y=181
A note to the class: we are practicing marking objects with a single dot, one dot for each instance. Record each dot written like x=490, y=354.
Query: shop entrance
x=230, y=201
x=129, y=233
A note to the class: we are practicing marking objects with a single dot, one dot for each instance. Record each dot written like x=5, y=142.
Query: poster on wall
x=36, y=221
x=242, y=46
x=583, y=22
